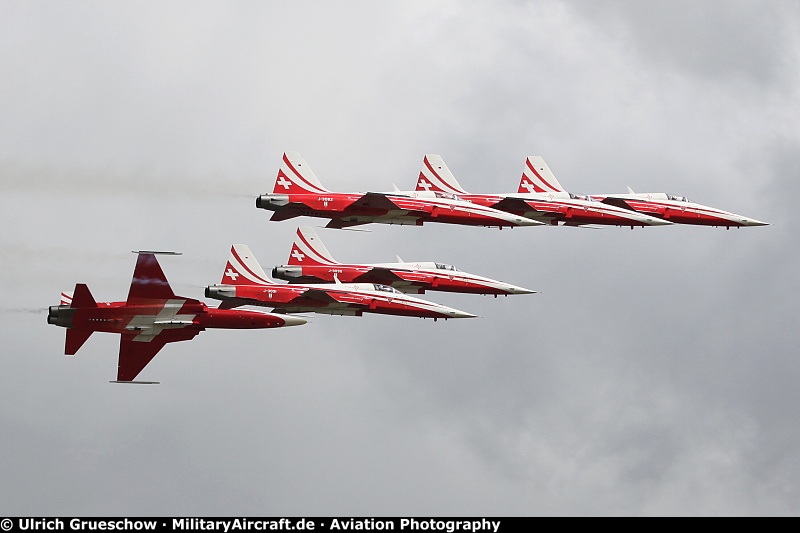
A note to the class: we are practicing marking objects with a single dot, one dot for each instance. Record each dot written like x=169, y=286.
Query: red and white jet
x=298, y=192
x=552, y=207
x=151, y=317
x=245, y=283
x=311, y=262
x=677, y=209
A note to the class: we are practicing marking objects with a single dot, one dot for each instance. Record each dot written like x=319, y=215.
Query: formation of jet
x=676, y=209
x=245, y=283
x=298, y=192
x=311, y=262
x=552, y=207
x=151, y=317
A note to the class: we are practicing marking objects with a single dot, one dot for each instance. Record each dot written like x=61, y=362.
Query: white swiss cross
x=424, y=184
x=528, y=185
x=231, y=274
x=298, y=255
x=283, y=182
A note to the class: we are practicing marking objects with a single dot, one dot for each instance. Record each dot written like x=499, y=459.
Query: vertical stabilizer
x=435, y=176
x=82, y=298
x=308, y=249
x=243, y=268
x=296, y=177
x=537, y=177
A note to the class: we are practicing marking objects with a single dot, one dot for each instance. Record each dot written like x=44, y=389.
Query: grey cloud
x=654, y=373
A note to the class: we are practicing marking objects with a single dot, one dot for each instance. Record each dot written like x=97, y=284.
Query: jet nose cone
x=522, y=221
x=653, y=221
x=293, y=320
x=512, y=289
x=455, y=313
x=753, y=222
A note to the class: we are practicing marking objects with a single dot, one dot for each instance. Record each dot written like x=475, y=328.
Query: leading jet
x=311, y=262
x=298, y=192
x=550, y=207
x=244, y=282
x=151, y=317
x=676, y=209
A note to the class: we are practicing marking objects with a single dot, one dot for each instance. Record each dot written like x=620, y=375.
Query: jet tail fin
x=308, y=249
x=243, y=268
x=75, y=339
x=81, y=298
x=149, y=281
x=435, y=176
x=296, y=177
x=537, y=177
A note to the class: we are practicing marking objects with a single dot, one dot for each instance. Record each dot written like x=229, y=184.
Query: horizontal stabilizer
x=75, y=339
x=138, y=382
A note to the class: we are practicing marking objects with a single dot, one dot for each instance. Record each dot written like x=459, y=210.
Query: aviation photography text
x=227, y=525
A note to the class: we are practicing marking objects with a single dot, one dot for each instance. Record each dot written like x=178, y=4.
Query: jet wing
x=385, y=276
x=617, y=202
x=517, y=206
x=135, y=355
x=374, y=200
x=338, y=223
x=290, y=210
x=149, y=281
x=315, y=295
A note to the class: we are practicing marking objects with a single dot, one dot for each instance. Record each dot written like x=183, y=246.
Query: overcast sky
x=655, y=373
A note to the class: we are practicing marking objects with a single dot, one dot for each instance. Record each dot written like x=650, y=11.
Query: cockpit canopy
x=584, y=197
x=677, y=198
x=443, y=266
x=446, y=195
x=385, y=288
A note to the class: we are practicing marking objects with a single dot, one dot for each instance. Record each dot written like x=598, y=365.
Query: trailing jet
x=298, y=192
x=552, y=207
x=245, y=283
x=151, y=317
x=310, y=262
x=677, y=209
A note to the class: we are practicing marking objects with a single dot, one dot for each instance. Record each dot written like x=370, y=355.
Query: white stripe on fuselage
x=150, y=326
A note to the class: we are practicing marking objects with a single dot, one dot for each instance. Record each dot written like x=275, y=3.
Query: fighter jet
x=298, y=192
x=245, y=283
x=151, y=317
x=677, y=209
x=552, y=207
x=311, y=262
